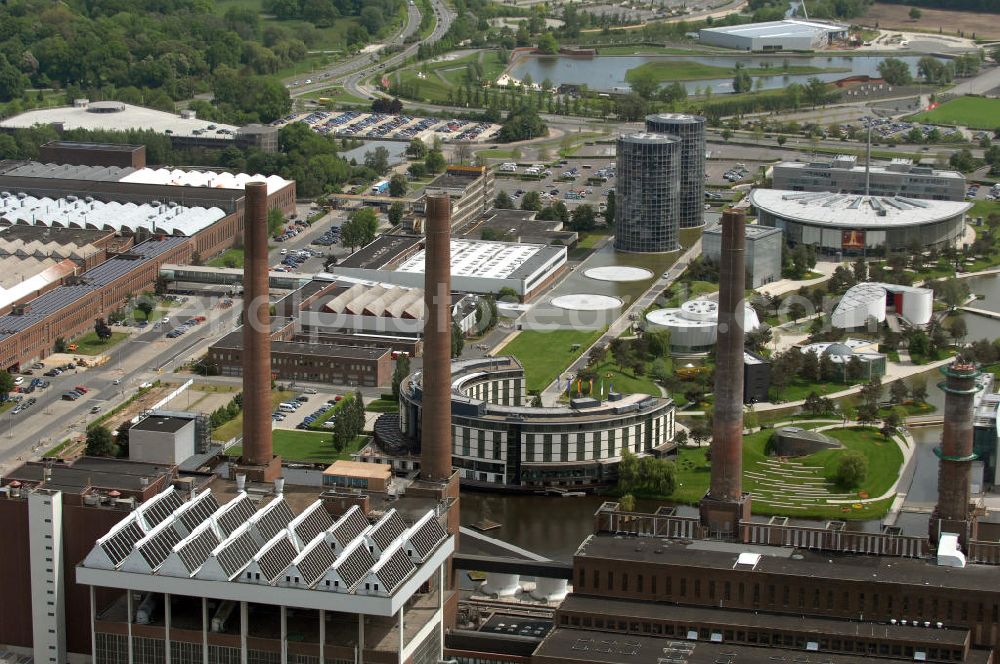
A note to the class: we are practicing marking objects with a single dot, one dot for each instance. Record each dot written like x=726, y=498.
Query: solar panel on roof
x=197, y=549
x=157, y=547
x=201, y=508
x=276, y=558
x=237, y=512
x=426, y=535
x=236, y=553
x=315, y=561
x=394, y=570
x=388, y=528
x=313, y=521
x=271, y=520
x=159, y=507
x=349, y=526
x=119, y=545
x=353, y=567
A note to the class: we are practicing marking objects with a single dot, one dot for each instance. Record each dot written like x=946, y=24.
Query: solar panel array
x=388, y=529
x=313, y=521
x=271, y=520
x=349, y=526
x=277, y=556
x=206, y=541
x=235, y=514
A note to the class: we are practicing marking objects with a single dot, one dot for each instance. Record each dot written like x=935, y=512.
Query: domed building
x=694, y=325
x=841, y=353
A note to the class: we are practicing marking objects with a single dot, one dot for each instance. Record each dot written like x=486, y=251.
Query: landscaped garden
x=968, y=111
x=307, y=446
x=545, y=354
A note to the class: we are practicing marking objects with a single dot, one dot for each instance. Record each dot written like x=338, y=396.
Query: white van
x=286, y=408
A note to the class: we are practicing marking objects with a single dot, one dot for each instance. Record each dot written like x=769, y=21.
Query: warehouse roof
x=179, y=178
x=853, y=211
x=130, y=117
x=849, y=163
x=169, y=219
x=37, y=169
x=477, y=258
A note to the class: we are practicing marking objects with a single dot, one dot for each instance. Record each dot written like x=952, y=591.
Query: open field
x=440, y=79
x=234, y=427
x=682, y=70
x=229, y=258
x=975, y=112
x=307, y=446
x=801, y=486
x=544, y=354
x=897, y=17
x=89, y=344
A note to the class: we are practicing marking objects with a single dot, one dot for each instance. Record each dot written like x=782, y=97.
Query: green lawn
x=687, y=70
x=307, y=446
x=234, y=427
x=800, y=388
x=383, y=406
x=624, y=381
x=229, y=258
x=498, y=153
x=89, y=344
x=689, y=290
x=643, y=49
x=984, y=208
x=975, y=112
x=317, y=424
x=762, y=476
x=546, y=353
x=440, y=78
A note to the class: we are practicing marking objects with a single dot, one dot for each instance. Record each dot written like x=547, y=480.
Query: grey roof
x=102, y=275
x=37, y=169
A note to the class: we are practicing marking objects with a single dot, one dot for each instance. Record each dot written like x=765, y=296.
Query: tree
x=796, y=311
x=503, y=201
x=59, y=345
x=145, y=306
x=378, y=160
x=100, y=442
x=915, y=13
x=919, y=391
x=643, y=81
x=952, y=292
x=6, y=382
x=867, y=413
x=434, y=161
x=417, y=149
x=852, y=469
x=397, y=185
x=609, y=209
x=957, y=329
x=360, y=228
x=532, y=200
x=102, y=329
x=547, y=43
x=521, y=124
x=742, y=81
x=627, y=503
x=395, y=213
x=895, y=71
x=962, y=160
x=583, y=218
x=12, y=81
x=400, y=372
x=898, y=392
x=890, y=424
x=275, y=221
x=457, y=340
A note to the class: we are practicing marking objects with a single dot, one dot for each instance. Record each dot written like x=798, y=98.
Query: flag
x=591, y=390
x=579, y=387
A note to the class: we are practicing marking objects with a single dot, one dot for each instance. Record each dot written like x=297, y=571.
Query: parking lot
x=573, y=184
x=308, y=411
x=355, y=124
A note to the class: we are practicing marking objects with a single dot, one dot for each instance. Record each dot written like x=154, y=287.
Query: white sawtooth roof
x=180, y=178
x=479, y=258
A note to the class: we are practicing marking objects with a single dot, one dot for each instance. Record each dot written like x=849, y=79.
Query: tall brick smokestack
x=725, y=504
x=952, y=513
x=435, y=431
x=257, y=450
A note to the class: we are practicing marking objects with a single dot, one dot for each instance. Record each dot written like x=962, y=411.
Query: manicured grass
x=643, y=49
x=229, y=258
x=884, y=461
x=445, y=76
x=624, y=381
x=234, y=427
x=498, y=153
x=689, y=290
x=89, y=344
x=383, y=406
x=546, y=353
x=590, y=240
x=687, y=70
x=800, y=389
x=335, y=95
x=983, y=208
x=58, y=449
x=975, y=112
x=317, y=424
x=307, y=446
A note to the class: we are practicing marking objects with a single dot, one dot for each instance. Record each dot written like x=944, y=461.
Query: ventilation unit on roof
x=71, y=198
x=89, y=199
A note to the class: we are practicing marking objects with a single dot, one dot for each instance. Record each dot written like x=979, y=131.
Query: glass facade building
x=691, y=130
x=647, y=195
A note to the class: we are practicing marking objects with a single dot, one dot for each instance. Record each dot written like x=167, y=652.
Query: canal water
x=607, y=73
x=554, y=527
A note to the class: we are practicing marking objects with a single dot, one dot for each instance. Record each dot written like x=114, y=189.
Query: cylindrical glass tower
x=647, y=194
x=691, y=130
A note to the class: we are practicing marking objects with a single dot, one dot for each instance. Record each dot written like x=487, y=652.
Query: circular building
x=691, y=130
x=694, y=326
x=500, y=442
x=854, y=224
x=647, y=196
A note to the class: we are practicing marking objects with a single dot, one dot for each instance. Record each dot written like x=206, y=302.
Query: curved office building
x=647, y=195
x=691, y=130
x=500, y=442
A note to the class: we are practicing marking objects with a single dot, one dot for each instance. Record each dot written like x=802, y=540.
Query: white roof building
x=873, y=300
x=694, y=325
x=179, y=178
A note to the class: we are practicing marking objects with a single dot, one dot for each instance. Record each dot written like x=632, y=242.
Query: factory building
x=647, y=196
x=162, y=438
x=470, y=188
x=763, y=252
x=477, y=266
x=498, y=441
x=93, y=154
x=791, y=34
x=843, y=175
x=870, y=300
x=853, y=224
x=691, y=130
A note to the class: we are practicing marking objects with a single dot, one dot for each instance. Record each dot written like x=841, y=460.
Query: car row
x=185, y=326
x=312, y=417
x=75, y=393
x=736, y=173
x=24, y=405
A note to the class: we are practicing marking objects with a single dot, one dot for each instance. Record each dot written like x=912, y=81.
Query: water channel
x=607, y=73
x=554, y=527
